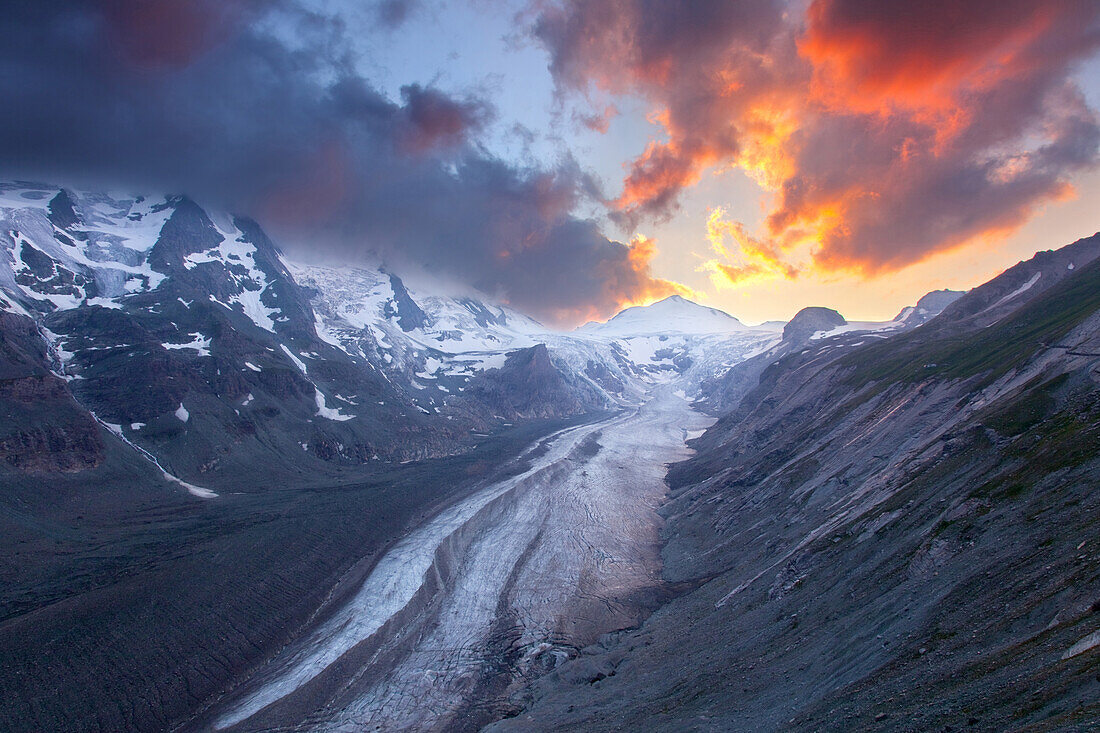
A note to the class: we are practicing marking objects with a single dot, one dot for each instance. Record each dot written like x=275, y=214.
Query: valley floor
x=495, y=590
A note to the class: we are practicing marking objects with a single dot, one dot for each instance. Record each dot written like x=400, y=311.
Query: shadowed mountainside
x=900, y=535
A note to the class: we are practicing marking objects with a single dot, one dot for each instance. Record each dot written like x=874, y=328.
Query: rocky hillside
x=900, y=535
x=817, y=330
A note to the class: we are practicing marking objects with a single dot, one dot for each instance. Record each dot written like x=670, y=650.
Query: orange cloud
x=640, y=254
x=878, y=57
x=745, y=258
x=881, y=131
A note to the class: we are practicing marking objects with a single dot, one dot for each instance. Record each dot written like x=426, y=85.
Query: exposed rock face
x=809, y=321
x=529, y=386
x=408, y=313
x=928, y=307
x=42, y=429
x=892, y=535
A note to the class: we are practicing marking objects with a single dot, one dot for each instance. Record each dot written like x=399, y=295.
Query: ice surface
x=549, y=546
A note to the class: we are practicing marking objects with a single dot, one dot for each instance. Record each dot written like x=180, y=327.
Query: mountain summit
x=674, y=314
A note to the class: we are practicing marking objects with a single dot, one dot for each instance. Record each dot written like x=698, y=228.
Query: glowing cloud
x=882, y=132
x=751, y=258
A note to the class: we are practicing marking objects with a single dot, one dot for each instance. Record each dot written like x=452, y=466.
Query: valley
x=496, y=590
x=246, y=493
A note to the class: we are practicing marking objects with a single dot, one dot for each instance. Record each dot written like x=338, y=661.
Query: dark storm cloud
x=393, y=13
x=435, y=120
x=257, y=107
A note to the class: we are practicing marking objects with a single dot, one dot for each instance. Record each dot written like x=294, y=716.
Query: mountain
x=810, y=321
x=821, y=330
x=897, y=535
x=674, y=314
x=209, y=450
x=186, y=335
x=929, y=306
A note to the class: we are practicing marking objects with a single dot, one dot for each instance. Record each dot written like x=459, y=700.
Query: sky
x=572, y=158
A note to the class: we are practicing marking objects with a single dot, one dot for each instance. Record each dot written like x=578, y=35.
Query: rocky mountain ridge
x=187, y=335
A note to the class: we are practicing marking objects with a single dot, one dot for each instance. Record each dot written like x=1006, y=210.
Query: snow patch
x=197, y=342
x=1018, y=291
x=1090, y=641
x=323, y=410
x=254, y=308
x=297, y=362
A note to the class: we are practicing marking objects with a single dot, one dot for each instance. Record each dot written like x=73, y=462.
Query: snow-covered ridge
x=671, y=315
x=62, y=249
x=440, y=342
x=65, y=248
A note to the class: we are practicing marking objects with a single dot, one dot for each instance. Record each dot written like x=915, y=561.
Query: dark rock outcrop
x=529, y=385
x=42, y=428
x=409, y=315
x=809, y=321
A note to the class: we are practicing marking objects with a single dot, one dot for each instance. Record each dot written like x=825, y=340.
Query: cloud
x=436, y=121
x=596, y=121
x=882, y=132
x=259, y=107
x=747, y=259
x=394, y=13
x=166, y=33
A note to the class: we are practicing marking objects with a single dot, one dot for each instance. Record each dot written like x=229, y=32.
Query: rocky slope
x=895, y=536
x=185, y=335
x=818, y=330
x=928, y=307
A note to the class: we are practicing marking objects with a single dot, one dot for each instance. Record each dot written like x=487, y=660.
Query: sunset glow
x=772, y=153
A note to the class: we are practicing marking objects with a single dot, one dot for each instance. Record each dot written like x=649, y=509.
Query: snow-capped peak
x=674, y=314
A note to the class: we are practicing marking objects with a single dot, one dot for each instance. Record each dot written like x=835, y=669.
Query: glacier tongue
x=504, y=584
